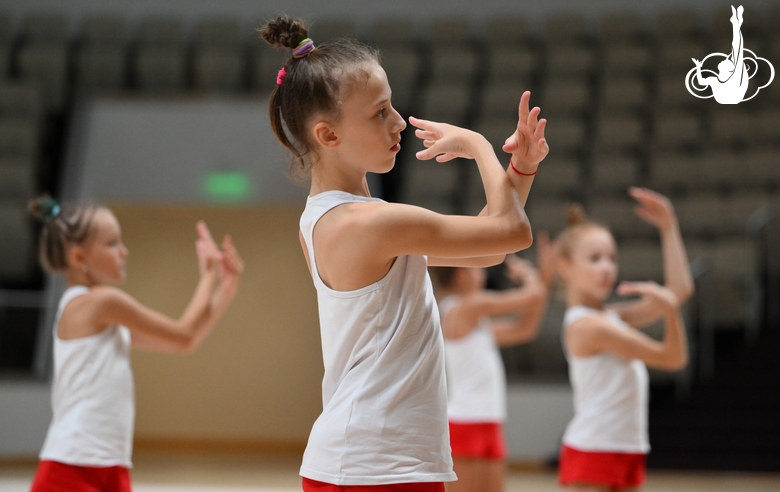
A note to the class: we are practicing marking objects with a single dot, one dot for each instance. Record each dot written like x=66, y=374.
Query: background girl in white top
x=384, y=419
x=89, y=443
x=476, y=382
x=605, y=444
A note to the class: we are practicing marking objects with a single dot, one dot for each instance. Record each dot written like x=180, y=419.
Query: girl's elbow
x=522, y=237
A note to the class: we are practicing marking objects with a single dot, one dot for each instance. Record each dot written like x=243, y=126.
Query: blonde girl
x=384, y=419
x=605, y=444
x=89, y=443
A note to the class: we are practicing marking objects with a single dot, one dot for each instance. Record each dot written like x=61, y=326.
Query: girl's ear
x=77, y=258
x=324, y=135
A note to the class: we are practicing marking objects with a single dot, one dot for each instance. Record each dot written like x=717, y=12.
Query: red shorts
x=617, y=470
x=310, y=485
x=478, y=440
x=53, y=476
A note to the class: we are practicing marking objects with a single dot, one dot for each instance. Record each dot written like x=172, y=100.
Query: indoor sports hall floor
x=245, y=472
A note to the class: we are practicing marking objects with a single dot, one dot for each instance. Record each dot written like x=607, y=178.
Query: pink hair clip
x=281, y=75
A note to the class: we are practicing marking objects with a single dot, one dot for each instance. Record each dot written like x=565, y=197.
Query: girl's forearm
x=521, y=182
x=677, y=271
x=200, y=304
x=675, y=341
x=500, y=194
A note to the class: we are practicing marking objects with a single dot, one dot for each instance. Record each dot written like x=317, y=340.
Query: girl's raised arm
x=657, y=210
x=152, y=330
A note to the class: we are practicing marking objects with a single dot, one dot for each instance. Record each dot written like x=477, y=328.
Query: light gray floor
x=244, y=472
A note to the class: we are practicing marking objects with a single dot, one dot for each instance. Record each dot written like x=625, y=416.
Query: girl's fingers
x=523, y=107
x=426, y=134
x=539, y=133
x=204, y=233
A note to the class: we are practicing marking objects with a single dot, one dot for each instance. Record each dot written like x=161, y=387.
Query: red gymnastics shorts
x=310, y=485
x=484, y=440
x=53, y=476
x=618, y=470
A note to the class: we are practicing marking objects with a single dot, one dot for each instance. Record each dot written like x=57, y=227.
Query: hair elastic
x=519, y=172
x=281, y=75
x=53, y=213
x=304, y=48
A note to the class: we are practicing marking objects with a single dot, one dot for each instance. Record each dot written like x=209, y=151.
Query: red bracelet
x=518, y=172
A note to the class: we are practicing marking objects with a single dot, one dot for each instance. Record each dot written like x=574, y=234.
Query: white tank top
x=476, y=382
x=610, y=396
x=92, y=397
x=384, y=416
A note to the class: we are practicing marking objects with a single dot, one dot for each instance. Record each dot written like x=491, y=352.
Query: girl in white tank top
x=89, y=442
x=476, y=382
x=605, y=443
x=384, y=418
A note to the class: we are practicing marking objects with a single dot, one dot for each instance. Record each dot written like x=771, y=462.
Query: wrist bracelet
x=518, y=171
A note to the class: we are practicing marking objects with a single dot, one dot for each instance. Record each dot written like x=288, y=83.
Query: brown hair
x=577, y=222
x=315, y=84
x=63, y=227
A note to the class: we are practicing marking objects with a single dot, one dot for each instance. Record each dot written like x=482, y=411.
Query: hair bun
x=43, y=208
x=575, y=215
x=285, y=32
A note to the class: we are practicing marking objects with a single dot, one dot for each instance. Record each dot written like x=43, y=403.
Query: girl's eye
x=381, y=113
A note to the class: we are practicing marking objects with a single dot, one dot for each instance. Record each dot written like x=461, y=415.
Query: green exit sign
x=227, y=186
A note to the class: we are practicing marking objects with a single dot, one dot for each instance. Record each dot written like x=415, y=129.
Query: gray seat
x=613, y=172
x=500, y=99
x=392, y=32
x=676, y=24
x=218, y=33
x=446, y=102
x=763, y=166
x=17, y=246
x=766, y=125
x=100, y=69
x=505, y=30
x=566, y=134
x=449, y=30
x=617, y=131
x=160, y=69
x=265, y=65
x=620, y=28
x=674, y=58
x=46, y=66
x=45, y=28
x=675, y=129
x=160, y=31
x=218, y=69
x=547, y=213
x=20, y=100
x=623, y=94
x=570, y=59
x=17, y=178
x=511, y=63
x=565, y=29
x=453, y=63
x=617, y=213
x=103, y=30
x=402, y=66
x=622, y=58
x=640, y=260
x=731, y=126
x=565, y=96
x=670, y=170
x=18, y=137
x=559, y=175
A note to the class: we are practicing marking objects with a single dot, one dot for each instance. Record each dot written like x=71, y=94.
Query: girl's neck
x=74, y=278
x=326, y=176
x=583, y=299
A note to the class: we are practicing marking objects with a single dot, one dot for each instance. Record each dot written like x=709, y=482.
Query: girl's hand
x=445, y=142
x=546, y=257
x=209, y=254
x=231, y=269
x=527, y=144
x=653, y=208
x=656, y=294
x=519, y=270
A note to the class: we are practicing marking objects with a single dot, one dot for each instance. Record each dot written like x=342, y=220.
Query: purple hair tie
x=281, y=75
x=304, y=48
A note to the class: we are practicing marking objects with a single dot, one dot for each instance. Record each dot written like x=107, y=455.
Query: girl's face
x=105, y=254
x=591, y=270
x=369, y=129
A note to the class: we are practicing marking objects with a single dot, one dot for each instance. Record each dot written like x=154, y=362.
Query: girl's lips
x=396, y=147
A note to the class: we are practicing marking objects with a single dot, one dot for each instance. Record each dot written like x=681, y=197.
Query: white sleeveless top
x=476, y=381
x=384, y=416
x=610, y=396
x=92, y=397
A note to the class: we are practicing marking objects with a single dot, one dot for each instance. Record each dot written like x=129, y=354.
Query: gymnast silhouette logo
x=735, y=70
